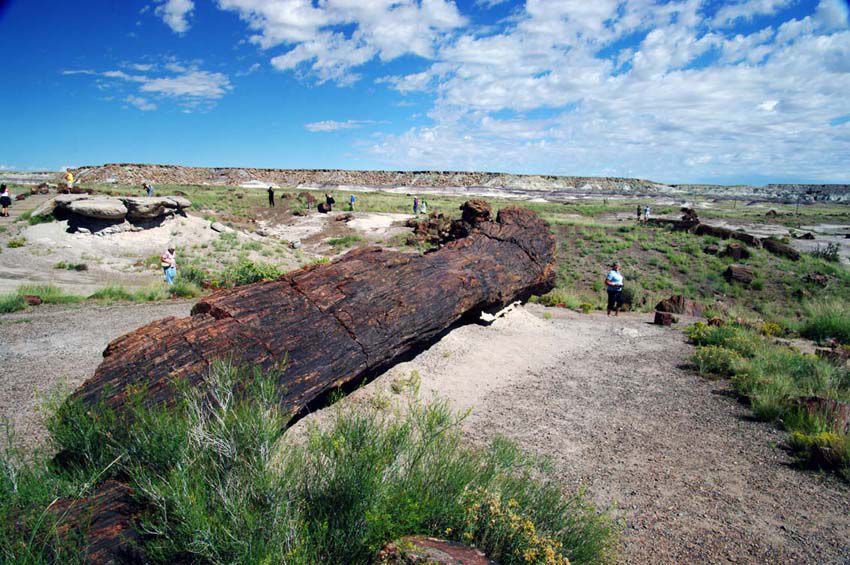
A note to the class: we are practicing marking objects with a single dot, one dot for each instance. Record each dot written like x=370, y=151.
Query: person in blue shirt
x=614, y=284
x=351, y=200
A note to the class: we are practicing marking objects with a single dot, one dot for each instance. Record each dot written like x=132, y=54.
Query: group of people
x=419, y=206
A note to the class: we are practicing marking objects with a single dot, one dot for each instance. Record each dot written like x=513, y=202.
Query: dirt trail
x=693, y=477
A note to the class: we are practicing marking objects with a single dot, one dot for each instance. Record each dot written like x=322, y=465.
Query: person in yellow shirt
x=69, y=178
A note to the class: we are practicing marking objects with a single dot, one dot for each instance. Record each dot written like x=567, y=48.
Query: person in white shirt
x=614, y=284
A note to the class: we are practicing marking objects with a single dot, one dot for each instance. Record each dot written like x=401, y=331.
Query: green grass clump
x=11, y=302
x=827, y=320
x=16, y=242
x=247, y=272
x=117, y=293
x=71, y=266
x=344, y=242
x=562, y=297
x=220, y=483
x=774, y=378
x=49, y=294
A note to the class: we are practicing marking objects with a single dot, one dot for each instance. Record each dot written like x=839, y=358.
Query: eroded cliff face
x=521, y=186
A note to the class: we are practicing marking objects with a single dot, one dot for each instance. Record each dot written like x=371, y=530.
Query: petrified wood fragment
x=333, y=323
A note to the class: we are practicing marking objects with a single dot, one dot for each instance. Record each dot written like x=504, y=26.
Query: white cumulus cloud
x=175, y=13
x=142, y=104
x=332, y=125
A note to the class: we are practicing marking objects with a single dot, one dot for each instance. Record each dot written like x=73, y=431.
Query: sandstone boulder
x=98, y=208
x=143, y=207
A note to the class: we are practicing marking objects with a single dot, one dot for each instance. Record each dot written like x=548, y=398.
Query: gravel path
x=694, y=478
x=57, y=347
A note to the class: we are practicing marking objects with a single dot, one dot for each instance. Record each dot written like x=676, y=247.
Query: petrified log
x=778, y=248
x=739, y=273
x=678, y=304
x=336, y=322
x=664, y=319
x=423, y=549
x=736, y=251
x=332, y=323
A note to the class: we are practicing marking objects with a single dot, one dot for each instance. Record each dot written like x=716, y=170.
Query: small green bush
x=560, y=296
x=16, y=242
x=247, y=272
x=716, y=360
x=71, y=266
x=49, y=294
x=344, y=242
x=825, y=320
x=11, y=302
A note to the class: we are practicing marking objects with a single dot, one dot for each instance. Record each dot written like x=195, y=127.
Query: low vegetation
x=222, y=484
x=775, y=380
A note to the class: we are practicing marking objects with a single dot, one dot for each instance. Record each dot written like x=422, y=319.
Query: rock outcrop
x=554, y=187
x=110, y=214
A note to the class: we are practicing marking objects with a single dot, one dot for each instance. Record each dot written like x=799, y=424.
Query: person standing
x=424, y=207
x=271, y=197
x=149, y=189
x=168, y=261
x=351, y=200
x=638, y=213
x=415, y=205
x=5, y=200
x=614, y=283
x=646, y=212
x=69, y=178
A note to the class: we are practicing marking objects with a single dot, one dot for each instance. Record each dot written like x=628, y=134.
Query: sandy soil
x=55, y=348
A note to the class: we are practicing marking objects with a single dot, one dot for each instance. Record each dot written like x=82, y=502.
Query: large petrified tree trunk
x=336, y=322
x=332, y=323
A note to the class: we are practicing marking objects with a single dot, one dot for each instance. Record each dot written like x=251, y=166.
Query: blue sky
x=750, y=91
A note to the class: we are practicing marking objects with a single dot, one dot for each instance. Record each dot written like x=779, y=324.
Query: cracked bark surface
x=332, y=323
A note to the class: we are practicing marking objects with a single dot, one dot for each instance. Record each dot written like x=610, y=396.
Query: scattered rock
x=295, y=245
x=819, y=279
x=711, y=249
x=475, y=211
x=21, y=196
x=324, y=208
x=263, y=232
x=840, y=355
x=220, y=228
x=736, y=251
x=45, y=208
x=412, y=550
x=771, y=213
x=716, y=321
x=664, y=319
x=32, y=299
x=778, y=248
x=739, y=273
x=806, y=235
x=678, y=304
x=346, y=217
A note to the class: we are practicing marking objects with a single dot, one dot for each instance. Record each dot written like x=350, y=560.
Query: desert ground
x=614, y=402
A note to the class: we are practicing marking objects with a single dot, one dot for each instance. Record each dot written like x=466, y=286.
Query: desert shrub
x=16, y=242
x=183, y=288
x=71, y=266
x=11, y=302
x=560, y=296
x=344, y=242
x=826, y=449
x=247, y=272
x=827, y=253
x=220, y=487
x=716, y=360
x=773, y=377
x=192, y=274
x=827, y=319
x=49, y=294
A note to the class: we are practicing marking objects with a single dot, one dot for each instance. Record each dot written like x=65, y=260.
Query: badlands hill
x=483, y=183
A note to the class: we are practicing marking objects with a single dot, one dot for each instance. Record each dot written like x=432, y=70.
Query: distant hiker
x=149, y=189
x=69, y=178
x=5, y=200
x=614, y=282
x=424, y=207
x=415, y=205
x=638, y=212
x=329, y=200
x=646, y=212
x=271, y=196
x=351, y=200
x=168, y=262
